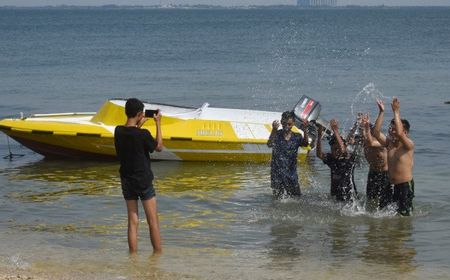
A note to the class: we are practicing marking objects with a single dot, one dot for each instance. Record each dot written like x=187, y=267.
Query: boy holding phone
x=133, y=146
x=151, y=113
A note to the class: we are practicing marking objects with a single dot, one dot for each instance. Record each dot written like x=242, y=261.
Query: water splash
x=280, y=69
x=359, y=207
x=365, y=100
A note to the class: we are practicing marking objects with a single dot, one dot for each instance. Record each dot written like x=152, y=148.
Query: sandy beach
x=15, y=275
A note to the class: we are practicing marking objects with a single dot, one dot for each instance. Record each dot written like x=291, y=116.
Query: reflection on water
x=385, y=242
x=193, y=198
x=201, y=198
x=285, y=246
x=389, y=243
x=215, y=213
x=199, y=177
x=340, y=233
x=102, y=178
x=48, y=180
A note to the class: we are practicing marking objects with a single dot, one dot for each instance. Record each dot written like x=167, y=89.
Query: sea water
x=67, y=219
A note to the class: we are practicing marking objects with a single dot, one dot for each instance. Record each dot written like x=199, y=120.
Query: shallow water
x=217, y=220
x=67, y=219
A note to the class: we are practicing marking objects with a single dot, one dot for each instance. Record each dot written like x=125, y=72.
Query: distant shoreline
x=212, y=7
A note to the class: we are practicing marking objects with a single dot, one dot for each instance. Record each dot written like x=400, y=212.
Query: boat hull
x=57, y=151
x=193, y=138
x=102, y=148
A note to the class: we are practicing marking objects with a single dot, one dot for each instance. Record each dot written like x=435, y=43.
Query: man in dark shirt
x=341, y=163
x=285, y=144
x=133, y=146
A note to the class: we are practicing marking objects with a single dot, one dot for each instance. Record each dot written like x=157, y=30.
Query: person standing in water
x=285, y=144
x=400, y=156
x=133, y=146
x=379, y=190
x=341, y=163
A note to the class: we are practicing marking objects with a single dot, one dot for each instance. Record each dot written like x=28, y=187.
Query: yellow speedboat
x=190, y=134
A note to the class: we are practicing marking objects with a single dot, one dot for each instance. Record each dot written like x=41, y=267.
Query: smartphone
x=150, y=113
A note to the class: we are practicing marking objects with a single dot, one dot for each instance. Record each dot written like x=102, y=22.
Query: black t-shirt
x=341, y=173
x=133, y=146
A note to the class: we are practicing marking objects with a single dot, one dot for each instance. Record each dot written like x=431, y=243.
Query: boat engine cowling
x=309, y=109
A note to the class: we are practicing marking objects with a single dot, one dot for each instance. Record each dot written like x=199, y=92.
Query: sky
x=28, y=3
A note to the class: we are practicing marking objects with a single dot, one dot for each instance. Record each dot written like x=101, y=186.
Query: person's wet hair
x=133, y=107
x=405, y=123
x=288, y=115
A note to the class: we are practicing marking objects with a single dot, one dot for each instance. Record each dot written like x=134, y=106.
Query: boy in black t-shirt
x=133, y=146
x=341, y=163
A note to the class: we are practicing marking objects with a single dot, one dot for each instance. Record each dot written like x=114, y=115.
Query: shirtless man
x=400, y=156
x=379, y=190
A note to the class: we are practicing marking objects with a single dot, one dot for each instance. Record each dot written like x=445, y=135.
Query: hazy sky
x=217, y=2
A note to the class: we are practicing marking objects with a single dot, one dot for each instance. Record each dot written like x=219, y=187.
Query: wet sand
x=11, y=275
x=15, y=274
x=14, y=277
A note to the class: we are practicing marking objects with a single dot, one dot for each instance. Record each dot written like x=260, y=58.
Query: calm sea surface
x=219, y=221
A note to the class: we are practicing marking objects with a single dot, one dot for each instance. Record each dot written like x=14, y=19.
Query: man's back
x=133, y=146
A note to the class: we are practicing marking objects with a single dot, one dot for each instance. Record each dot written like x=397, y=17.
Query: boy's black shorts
x=132, y=191
x=378, y=187
x=403, y=195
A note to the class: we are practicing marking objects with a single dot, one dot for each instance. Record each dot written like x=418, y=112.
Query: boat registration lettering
x=209, y=132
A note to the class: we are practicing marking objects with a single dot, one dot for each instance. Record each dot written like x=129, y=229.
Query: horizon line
x=216, y=6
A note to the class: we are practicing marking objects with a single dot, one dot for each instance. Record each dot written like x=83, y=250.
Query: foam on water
x=19, y=262
x=357, y=208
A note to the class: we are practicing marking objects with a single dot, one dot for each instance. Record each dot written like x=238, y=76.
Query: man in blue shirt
x=285, y=144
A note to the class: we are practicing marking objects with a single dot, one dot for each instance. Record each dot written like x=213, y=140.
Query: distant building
x=316, y=3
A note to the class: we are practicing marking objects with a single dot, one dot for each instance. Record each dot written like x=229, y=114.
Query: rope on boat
x=21, y=116
x=10, y=156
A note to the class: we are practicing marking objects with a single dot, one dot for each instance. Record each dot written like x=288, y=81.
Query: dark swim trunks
x=378, y=187
x=132, y=191
x=403, y=195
